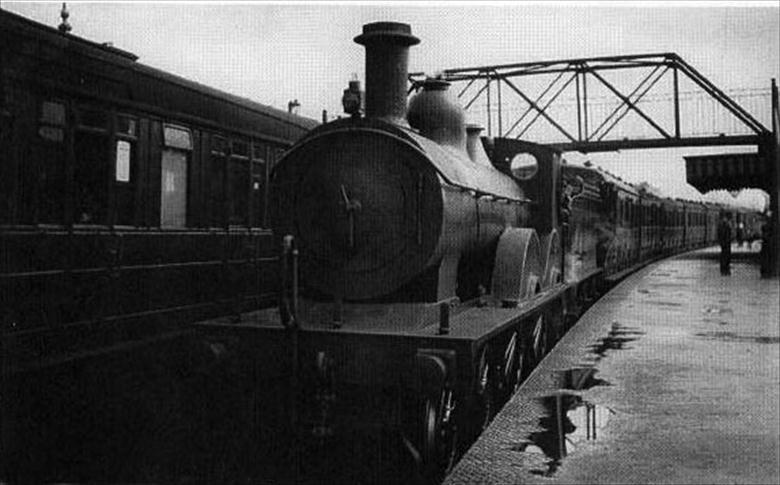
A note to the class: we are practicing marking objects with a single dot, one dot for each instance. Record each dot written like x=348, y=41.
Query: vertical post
x=588, y=425
x=70, y=164
x=295, y=282
x=226, y=184
x=266, y=222
x=444, y=318
x=579, y=107
x=585, y=103
x=288, y=311
x=773, y=161
x=676, y=104
x=487, y=79
x=500, y=127
x=110, y=185
x=560, y=412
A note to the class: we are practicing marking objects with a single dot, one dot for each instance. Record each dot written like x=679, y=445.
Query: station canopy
x=730, y=171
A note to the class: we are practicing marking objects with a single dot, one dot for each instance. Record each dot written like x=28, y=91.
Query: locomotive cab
x=537, y=170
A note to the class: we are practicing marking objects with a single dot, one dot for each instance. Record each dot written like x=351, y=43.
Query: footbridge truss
x=606, y=103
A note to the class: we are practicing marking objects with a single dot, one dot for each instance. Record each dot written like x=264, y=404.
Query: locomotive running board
x=480, y=323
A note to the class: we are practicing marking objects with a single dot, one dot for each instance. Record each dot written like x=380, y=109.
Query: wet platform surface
x=672, y=377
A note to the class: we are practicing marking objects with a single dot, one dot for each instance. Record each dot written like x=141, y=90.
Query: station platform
x=672, y=377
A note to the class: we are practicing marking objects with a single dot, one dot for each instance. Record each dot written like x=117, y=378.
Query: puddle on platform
x=616, y=339
x=733, y=337
x=716, y=310
x=579, y=379
x=570, y=421
x=719, y=322
x=667, y=284
x=663, y=303
x=660, y=273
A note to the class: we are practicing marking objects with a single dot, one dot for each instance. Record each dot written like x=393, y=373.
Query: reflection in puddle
x=616, y=339
x=579, y=379
x=570, y=422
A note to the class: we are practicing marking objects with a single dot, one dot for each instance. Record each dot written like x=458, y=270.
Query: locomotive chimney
x=387, y=56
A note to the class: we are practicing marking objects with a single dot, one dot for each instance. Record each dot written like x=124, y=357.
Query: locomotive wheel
x=485, y=391
x=514, y=364
x=439, y=435
x=539, y=339
x=551, y=252
x=518, y=270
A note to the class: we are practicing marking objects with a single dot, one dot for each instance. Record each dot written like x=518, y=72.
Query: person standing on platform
x=766, y=237
x=740, y=233
x=724, y=239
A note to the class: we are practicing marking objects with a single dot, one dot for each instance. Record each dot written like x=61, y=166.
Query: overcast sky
x=276, y=52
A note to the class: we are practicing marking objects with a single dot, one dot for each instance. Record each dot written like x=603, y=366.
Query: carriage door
x=173, y=185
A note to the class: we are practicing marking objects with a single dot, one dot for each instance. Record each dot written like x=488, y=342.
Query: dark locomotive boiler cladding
x=380, y=210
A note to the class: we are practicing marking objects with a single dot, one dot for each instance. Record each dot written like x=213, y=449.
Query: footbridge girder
x=575, y=82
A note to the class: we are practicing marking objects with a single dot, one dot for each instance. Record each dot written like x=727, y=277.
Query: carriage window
x=93, y=119
x=48, y=178
x=94, y=155
x=176, y=137
x=239, y=149
x=524, y=166
x=91, y=177
x=126, y=126
x=53, y=113
x=52, y=121
x=173, y=184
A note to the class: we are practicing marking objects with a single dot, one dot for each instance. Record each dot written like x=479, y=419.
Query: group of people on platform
x=726, y=236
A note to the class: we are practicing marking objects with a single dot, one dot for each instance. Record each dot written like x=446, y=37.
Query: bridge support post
x=770, y=266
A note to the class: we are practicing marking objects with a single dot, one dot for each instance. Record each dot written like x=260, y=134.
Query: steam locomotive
x=426, y=269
